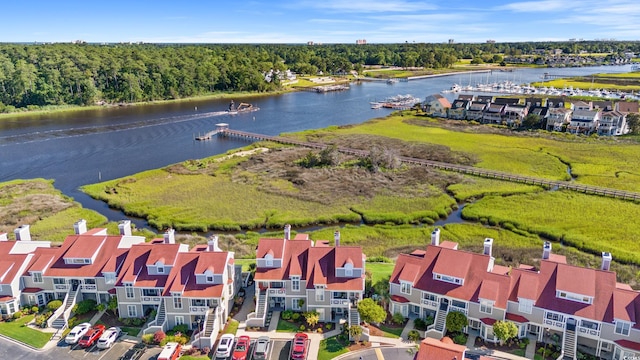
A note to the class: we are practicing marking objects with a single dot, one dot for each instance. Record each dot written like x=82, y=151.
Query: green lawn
x=285, y=326
x=133, y=331
x=190, y=357
x=245, y=263
x=19, y=331
x=330, y=348
x=232, y=327
x=391, y=332
x=379, y=271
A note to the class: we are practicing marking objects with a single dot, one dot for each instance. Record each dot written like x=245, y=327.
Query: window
x=109, y=278
x=209, y=278
x=177, y=302
x=429, y=297
x=160, y=269
x=59, y=281
x=319, y=293
x=486, y=307
x=132, y=311
x=37, y=277
x=179, y=320
x=268, y=260
x=449, y=279
x=622, y=327
x=90, y=281
x=525, y=306
x=128, y=288
x=554, y=316
x=405, y=287
x=295, y=304
x=295, y=283
x=348, y=271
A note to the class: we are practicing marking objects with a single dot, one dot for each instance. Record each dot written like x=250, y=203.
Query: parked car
x=77, y=332
x=92, y=336
x=108, y=338
x=300, y=346
x=135, y=352
x=225, y=345
x=261, y=350
x=241, y=350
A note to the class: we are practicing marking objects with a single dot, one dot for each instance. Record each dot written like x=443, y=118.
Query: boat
x=376, y=105
x=241, y=108
x=392, y=81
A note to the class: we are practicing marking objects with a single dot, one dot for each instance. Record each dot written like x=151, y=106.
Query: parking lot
x=279, y=349
x=66, y=351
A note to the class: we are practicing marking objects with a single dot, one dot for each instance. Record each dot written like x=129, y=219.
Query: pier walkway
x=223, y=130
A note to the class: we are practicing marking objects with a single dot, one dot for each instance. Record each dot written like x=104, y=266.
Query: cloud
x=368, y=6
x=539, y=6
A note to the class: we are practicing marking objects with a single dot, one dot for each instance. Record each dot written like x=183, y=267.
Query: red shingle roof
x=628, y=344
x=134, y=269
x=399, y=299
x=183, y=279
x=432, y=349
x=516, y=318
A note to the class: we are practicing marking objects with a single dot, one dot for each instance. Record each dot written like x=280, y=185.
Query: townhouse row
x=582, y=309
x=555, y=114
x=194, y=286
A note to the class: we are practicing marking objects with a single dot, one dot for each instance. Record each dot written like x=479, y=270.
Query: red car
x=300, y=346
x=241, y=350
x=91, y=336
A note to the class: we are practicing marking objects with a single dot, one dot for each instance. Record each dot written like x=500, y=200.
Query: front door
x=444, y=304
x=74, y=284
x=571, y=324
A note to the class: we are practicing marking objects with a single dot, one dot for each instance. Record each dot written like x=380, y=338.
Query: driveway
x=385, y=353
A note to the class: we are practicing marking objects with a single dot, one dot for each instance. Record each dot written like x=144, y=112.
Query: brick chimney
x=212, y=244
x=125, y=227
x=22, y=233
x=606, y=261
x=336, y=238
x=435, y=237
x=170, y=236
x=488, y=245
x=80, y=227
x=287, y=232
x=546, y=250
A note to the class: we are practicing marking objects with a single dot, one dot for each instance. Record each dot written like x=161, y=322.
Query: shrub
x=26, y=310
x=398, y=318
x=329, y=326
x=206, y=350
x=84, y=306
x=101, y=307
x=295, y=316
x=419, y=324
x=413, y=335
x=460, y=339
x=53, y=305
x=182, y=329
x=302, y=328
x=159, y=336
x=73, y=321
x=148, y=339
x=319, y=330
x=17, y=315
x=35, y=309
x=287, y=314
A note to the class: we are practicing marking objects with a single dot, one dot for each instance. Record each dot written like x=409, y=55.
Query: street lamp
x=198, y=320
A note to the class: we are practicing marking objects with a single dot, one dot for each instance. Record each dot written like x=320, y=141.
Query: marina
x=398, y=102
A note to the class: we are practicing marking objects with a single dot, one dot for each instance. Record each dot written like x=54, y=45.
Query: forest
x=37, y=75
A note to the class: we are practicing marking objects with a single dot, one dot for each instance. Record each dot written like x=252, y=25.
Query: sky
x=320, y=21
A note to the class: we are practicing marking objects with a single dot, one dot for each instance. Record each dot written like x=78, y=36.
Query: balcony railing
x=344, y=302
x=589, y=332
x=61, y=286
x=198, y=309
x=90, y=287
x=151, y=299
x=554, y=323
x=279, y=291
x=459, y=309
x=429, y=303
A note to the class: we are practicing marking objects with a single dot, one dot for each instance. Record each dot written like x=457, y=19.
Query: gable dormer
x=84, y=251
x=575, y=284
x=348, y=270
x=269, y=260
x=159, y=267
x=209, y=277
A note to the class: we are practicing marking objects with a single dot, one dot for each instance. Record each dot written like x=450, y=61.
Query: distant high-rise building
x=451, y=41
x=491, y=41
x=361, y=42
x=309, y=42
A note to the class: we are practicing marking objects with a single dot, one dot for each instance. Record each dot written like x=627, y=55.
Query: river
x=83, y=147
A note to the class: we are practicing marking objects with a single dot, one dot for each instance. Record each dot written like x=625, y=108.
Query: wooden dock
x=467, y=170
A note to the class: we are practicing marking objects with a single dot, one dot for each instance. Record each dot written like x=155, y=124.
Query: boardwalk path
x=469, y=170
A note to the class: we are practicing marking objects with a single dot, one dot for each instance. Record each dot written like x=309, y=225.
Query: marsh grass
x=589, y=223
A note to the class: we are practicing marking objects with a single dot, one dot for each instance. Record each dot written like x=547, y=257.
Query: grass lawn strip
x=330, y=348
x=19, y=331
x=231, y=327
x=285, y=326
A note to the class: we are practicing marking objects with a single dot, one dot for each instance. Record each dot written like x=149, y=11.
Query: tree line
x=83, y=74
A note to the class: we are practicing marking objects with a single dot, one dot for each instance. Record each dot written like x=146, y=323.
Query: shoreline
x=58, y=109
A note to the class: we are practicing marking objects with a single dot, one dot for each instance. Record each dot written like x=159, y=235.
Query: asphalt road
x=387, y=353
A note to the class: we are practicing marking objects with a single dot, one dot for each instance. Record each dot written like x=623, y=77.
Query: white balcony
x=279, y=291
x=90, y=287
x=559, y=325
x=429, y=303
x=151, y=299
x=589, y=332
x=198, y=309
x=459, y=309
x=61, y=286
x=341, y=302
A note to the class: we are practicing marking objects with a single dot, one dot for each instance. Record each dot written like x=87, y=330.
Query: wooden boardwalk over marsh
x=467, y=170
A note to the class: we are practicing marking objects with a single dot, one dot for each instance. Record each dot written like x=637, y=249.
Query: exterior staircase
x=161, y=314
x=441, y=318
x=569, y=344
x=354, y=316
x=262, y=304
x=62, y=316
x=209, y=325
x=158, y=323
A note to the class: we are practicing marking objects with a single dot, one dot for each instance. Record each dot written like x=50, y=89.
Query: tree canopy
x=370, y=311
x=456, y=321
